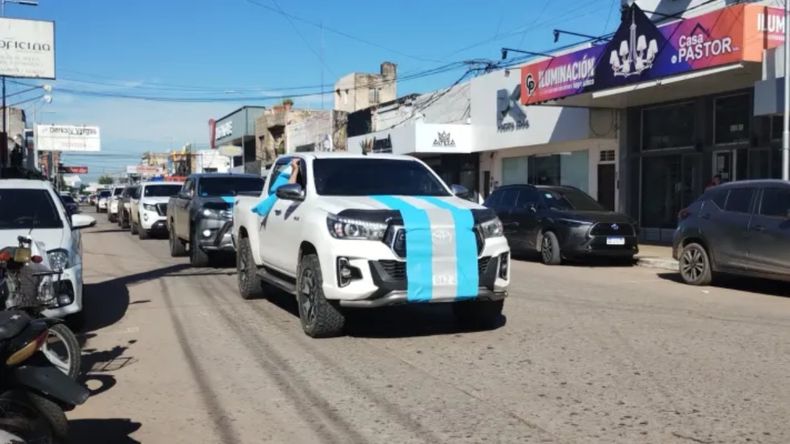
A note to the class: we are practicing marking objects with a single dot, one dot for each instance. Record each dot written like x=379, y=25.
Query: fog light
x=346, y=272
x=64, y=300
x=504, y=262
x=206, y=233
x=145, y=217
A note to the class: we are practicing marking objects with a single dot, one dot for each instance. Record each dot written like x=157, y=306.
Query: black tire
x=320, y=318
x=177, y=248
x=142, y=233
x=63, y=350
x=53, y=414
x=197, y=257
x=694, y=265
x=550, y=252
x=25, y=415
x=132, y=228
x=250, y=285
x=479, y=314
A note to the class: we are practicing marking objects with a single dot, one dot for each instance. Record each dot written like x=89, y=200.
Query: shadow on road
x=740, y=283
x=105, y=303
x=108, y=230
x=103, y=431
x=592, y=262
x=390, y=322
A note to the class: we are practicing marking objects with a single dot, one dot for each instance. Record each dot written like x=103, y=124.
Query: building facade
x=238, y=129
x=356, y=91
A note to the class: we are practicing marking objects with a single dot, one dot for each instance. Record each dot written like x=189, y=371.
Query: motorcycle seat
x=12, y=323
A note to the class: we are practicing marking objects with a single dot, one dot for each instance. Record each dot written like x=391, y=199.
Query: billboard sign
x=68, y=138
x=73, y=169
x=145, y=170
x=27, y=48
x=640, y=51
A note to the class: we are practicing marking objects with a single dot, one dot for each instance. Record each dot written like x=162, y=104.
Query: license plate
x=615, y=241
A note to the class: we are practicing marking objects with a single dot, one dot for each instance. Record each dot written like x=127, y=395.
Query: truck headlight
x=341, y=228
x=491, y=228
x=208, y=212
x=149, y=207
x=58, y=259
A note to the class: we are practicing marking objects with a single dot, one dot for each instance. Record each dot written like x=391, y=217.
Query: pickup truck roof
x=200, y=175
x=336, y=155
x=29, y=184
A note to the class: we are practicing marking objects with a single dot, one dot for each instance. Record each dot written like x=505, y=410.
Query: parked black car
x=71, y=205
x=562, y=222
x=738, y=228
x=201, y=215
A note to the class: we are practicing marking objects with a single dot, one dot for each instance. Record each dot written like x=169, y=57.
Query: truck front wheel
x=320, y=317
x=197, y=257
x=247, y=272
x=177, y=248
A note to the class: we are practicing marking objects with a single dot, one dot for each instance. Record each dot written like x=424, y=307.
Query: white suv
x=32, y=207
x=148, y=207
x=114, y=203
x=369, y=231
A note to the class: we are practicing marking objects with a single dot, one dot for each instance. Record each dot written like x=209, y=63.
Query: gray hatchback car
x=738, y=228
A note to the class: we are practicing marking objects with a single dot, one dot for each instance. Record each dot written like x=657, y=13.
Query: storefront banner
x=561, y=76
x=27, y=48
x=68, y=138
x=443, y=138
x=639, y=51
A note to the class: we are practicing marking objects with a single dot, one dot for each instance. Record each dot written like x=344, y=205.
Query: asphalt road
x=584, y=354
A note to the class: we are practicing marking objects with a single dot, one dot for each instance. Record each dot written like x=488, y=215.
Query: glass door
x=725, y=165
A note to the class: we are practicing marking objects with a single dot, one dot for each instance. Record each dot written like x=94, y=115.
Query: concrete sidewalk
x=656, y=256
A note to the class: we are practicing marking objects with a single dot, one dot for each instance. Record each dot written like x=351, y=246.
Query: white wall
x=315, y=128
x=449, y=105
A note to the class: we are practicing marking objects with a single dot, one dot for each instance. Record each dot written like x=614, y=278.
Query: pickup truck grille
x=396, y=270
x=396, y=239
x=161, y=208
x=609, y=229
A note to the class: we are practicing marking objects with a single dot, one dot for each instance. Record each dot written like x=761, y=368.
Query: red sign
x=74, y=169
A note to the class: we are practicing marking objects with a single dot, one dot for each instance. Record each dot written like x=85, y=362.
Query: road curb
x=658, y=262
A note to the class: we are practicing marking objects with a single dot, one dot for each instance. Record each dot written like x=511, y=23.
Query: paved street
x=585, y=354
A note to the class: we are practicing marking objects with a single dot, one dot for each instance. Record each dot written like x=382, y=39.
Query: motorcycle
x=27, y=284
x=33, y=393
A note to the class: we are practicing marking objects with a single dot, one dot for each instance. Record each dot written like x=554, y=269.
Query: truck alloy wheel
x=320, y=318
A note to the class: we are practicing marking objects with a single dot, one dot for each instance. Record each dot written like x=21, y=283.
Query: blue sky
x=236, y=48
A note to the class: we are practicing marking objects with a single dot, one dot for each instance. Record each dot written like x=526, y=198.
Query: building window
x=345, y=97
x=571, y=169
x=731, y=119
x=668, y=126
x=777, y=127
x=607, y=156
x=373, y=95
x=514, y=170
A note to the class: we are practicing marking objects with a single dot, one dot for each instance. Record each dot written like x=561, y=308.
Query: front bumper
x=152, y=221
x=102, y=204
x=216, y=235
x=70, y=285
x=381, y=278
x=113, y=207
x=597, y=246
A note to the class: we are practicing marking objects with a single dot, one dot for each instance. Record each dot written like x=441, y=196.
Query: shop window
x=571, y=169
x=607, y=156
x=668, y=126
x=514, y=170
x=777, y=127
x=732, y=118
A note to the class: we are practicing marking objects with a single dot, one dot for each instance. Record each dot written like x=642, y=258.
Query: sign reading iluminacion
x=27, y=48
x=69, y=138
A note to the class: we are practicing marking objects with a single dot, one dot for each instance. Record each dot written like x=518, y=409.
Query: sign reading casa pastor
x=641, y=51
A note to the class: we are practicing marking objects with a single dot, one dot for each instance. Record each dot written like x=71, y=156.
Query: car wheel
x=247, y=272
x=550, y=249
x=143, y=233
x=694, y=265
x=197, y=257
x=320, y=318
x=177, y=248
x=133, y=228
x=479, y=314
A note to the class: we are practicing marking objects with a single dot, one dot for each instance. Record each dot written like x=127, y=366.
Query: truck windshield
x=25, y=209
x=228, y=186
x=117, y=191
x=161, y=190
x=104, y=193
x=368, y=177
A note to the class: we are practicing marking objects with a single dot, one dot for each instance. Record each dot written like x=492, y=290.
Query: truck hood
x=154, y=200
x=336, y=204
x=51, y=237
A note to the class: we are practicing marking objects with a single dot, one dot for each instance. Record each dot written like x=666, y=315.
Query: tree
x=105, y=180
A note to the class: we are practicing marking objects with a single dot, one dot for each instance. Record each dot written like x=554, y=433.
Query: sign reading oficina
x=27, y=48
x=69, y=138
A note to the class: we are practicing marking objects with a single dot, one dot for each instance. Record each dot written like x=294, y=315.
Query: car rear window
x=776, y=202
x=161, y=190
x=739, y=200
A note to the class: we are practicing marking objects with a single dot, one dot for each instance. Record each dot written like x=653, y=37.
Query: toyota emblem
x=615, y=227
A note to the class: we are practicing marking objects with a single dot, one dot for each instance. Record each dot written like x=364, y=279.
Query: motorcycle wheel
x=32, y=418
x=63, y=350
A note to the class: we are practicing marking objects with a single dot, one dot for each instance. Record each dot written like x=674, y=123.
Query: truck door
x=283, y=227
x=181, y=209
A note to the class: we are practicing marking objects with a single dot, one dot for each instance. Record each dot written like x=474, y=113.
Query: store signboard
x=145, y=170
x=68, y=138
x=73, y=169
x=640, y=51
x=27, y=48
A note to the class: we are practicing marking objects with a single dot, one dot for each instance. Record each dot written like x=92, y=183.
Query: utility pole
x=786, y=116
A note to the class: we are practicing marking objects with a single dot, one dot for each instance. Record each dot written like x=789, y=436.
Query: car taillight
x=684, y=213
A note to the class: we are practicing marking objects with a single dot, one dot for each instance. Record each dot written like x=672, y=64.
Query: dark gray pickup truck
x=201, y=215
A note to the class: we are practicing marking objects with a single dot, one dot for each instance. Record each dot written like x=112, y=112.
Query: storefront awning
x=693, y=84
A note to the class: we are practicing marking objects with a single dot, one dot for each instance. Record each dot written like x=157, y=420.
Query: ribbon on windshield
x=265, y=206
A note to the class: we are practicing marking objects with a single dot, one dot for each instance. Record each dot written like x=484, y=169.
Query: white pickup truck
x=368, y=231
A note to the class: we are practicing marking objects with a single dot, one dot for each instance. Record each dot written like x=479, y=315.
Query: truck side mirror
x=291, y=191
